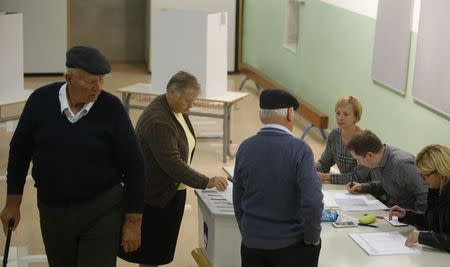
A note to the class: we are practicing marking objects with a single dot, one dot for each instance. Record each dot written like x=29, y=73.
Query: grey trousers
x=85, y=235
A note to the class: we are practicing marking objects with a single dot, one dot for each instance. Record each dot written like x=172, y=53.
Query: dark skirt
x=159, y=233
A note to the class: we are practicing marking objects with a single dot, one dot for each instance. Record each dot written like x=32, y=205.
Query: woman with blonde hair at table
x=433, y=164
x=348, y=112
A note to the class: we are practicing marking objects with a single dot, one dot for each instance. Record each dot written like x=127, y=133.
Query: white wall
x=115, y=27
x=369, y=8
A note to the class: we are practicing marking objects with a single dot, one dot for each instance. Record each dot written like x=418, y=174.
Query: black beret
x=277, y=98
x=88, y=59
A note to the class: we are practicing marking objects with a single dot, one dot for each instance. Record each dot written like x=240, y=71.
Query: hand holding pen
x=396, y=211
x=352, y=178
x=354, y=187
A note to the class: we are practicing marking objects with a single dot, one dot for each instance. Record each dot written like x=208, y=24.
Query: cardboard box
x=218, y=230
x=11, y=55
x=191, y=40
x=210, y=5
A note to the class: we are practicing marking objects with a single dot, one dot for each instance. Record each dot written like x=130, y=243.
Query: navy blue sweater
x=277, y=194
x=74, y=162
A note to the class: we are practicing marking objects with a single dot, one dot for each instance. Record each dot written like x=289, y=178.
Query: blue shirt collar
x=277, y=126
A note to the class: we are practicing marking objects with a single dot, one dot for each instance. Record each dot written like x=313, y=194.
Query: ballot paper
x=377, y=244
x=349, y=202
x=228, y=193
x=373, y=204
x=343, y=196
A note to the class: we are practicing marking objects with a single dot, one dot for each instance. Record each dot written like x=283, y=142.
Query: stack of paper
x=350, y=202
x=376, y=244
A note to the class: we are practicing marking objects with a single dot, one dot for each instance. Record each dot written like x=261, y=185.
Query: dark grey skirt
x=159, y=233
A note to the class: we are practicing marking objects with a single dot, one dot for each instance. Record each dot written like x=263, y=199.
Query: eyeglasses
x=425, y=176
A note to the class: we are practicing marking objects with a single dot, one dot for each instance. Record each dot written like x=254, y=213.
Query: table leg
x=242, y=83
x=323, y=134
x=226, y=131
x=305, y=132
x=126, y=101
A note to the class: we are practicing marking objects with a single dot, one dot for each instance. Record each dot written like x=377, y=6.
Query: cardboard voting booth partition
x=191, y=40
x=218, y=230
x=231, y=7
x=11, y=55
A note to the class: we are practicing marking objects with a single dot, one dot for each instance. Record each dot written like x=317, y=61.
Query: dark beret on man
x=89, y=59
x=276, y=99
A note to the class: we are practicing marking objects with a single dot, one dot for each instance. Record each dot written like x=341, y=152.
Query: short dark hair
x=364, y=142
x=182, y=81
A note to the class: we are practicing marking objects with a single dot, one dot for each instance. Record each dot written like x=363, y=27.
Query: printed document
x=349, y=202
x=390, y=243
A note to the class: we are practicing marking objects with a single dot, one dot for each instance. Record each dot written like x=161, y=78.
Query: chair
x=200, y=257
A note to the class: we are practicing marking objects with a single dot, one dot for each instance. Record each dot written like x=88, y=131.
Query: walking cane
x=8, y=242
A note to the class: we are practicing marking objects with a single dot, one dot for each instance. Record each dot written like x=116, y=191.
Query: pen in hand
x=353, y=186
x=351, y=181
x=350, y=184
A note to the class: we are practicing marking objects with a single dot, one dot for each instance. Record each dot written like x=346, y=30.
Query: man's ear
x=290, y=115
x=68, y=77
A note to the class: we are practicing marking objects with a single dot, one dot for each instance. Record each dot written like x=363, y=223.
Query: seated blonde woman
x=348, y=111
x=433, y=164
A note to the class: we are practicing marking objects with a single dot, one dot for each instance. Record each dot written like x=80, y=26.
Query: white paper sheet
x=350, y=202
x=330, y=196
x=373, y=204
x=343, y=202
x=390, y=243
x=394, y=221
x=228, y=193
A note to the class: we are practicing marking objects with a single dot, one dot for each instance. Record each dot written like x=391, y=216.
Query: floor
x=208, y=158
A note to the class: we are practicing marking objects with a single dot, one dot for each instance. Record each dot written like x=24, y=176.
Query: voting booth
x=191, y=40
x=231, y=7
x=218, y=230
x=11, y=54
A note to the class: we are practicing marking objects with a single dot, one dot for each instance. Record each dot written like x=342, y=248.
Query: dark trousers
x=297, y=255
x=83, y=235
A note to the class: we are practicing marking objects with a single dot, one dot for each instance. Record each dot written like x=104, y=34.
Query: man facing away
x=277, y=193
x=394, y=177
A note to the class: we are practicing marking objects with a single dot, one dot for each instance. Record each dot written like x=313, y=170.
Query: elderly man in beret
x=277, y=193
x=87, y=166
